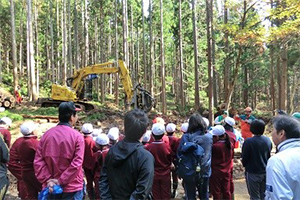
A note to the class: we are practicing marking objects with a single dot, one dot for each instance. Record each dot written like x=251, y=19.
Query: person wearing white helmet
x=113, y=135
x=162, y=154
x=88, y=158
x=102, y=146
x=174, y=142
x=146, y=138
x=221, y=164
x=26, y=152
x=184, y=127
x=5, y=123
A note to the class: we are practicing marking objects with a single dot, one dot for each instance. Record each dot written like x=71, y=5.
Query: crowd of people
x=146, y=163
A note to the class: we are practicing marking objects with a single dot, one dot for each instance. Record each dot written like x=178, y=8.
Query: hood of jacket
x=123, y=150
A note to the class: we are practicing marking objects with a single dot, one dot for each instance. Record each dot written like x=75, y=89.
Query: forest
x=189, y=54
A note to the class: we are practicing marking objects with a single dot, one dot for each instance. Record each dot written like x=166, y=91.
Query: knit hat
x=218, y=130
x=184, y=127
x=146, y=136
x=6, y=120
x=158, y=129
x=28, y=127
x=102, y=139
x=113, y=133
x=230, y=121
x=87, y=128
x=171, y=128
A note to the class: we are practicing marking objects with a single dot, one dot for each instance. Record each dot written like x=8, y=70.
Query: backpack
x=189, y=159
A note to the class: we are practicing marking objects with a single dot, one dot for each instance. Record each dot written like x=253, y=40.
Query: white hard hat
x=218, y=130
x=113, y=133
x=28, y=127
x=87, y=128
x=184, y=127
x=7, y=121
x=102, y=139
x=147, y=136
x=158, y=129
x=230, y=121
x=206, y=121
x=170, y=128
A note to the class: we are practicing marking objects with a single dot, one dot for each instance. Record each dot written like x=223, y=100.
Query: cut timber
x=48, y=118
x=6, y=103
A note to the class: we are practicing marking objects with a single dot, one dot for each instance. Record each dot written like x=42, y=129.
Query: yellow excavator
x=80, y=82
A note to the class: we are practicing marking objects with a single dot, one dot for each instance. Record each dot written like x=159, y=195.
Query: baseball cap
x=28, y=127
x=87, y=128
x=68, y=107
x=147, y=136
x=170, y=128
x=102, y=139
x=7, y=121
x=113, y=133
x=218, y=130
x=230, y=121
x=158, y=129
x=184, y=127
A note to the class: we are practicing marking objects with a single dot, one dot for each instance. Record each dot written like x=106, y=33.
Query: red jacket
x=221, y=160
x=100, y=158
x=60, y=156
x=14, y=163
x=162, y=154
x=6, y=136
x=89, y=146
x=26, y=152
x=174, y=143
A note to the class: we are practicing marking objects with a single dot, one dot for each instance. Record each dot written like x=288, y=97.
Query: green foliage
x=51, y=111
x=98, y=116
x=11, y=115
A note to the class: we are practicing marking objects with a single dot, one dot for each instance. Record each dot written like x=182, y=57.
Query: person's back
x=129, y=168
x=5, y=123
x=3, y=169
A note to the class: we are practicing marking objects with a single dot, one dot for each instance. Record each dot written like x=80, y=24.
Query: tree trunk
x=30, y=50
x=70, y=56
x=151, y=49
x=144, y=48
x=86, y=31
x=21, y=67
x=246, y=85
x=52, y=43
x=197, y=96
x=14, y=49
x=283, y=75
x=226, y=51
x=181, y=96
x=209, y=14
x=58, y=74
x=162, y=59
x=125, y=33
x=76, y=37
x=116, y=54
x=37, y=49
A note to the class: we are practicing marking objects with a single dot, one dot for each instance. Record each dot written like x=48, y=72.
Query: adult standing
x=59, y=156
x=129, y=168
x=246, y=119
x=283, y=177
x=196, y=133
x=255, y=154
x=26, y=153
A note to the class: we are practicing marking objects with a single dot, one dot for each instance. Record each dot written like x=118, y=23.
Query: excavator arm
x=134, y=95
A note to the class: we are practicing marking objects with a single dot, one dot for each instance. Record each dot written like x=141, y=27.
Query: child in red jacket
x=102, y=145
x=5, y=124
x=26, y=152
x=88, y=159
x=174, y=142
x=162, y=154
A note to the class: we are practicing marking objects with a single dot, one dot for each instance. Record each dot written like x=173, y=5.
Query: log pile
x=6, y=99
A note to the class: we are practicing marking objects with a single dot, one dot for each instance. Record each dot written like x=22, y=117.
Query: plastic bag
x=43, y=195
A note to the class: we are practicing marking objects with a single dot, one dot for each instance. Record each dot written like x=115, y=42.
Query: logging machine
x=79, y=88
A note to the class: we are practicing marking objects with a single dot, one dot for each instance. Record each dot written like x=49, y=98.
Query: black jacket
x=127, y=173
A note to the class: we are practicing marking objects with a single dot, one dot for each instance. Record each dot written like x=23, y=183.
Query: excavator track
x=47, y=102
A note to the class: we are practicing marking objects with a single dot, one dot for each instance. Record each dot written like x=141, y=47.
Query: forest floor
x=110, y=118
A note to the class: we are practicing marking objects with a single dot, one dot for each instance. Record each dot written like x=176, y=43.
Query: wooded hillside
x=188, y=54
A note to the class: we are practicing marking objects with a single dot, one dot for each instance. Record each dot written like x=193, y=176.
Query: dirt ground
x=115, y=118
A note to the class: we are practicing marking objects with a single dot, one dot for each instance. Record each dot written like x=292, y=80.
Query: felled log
x=6, y=103
x=48, y=118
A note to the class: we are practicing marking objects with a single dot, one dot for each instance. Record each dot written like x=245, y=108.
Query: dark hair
x=157, y=137
x=257, y=127
x=196, y=123
x=227, y=127
x=135, y=124
x=227, y=140
x=287, y=123
x=65, y=117
x=2, y=122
